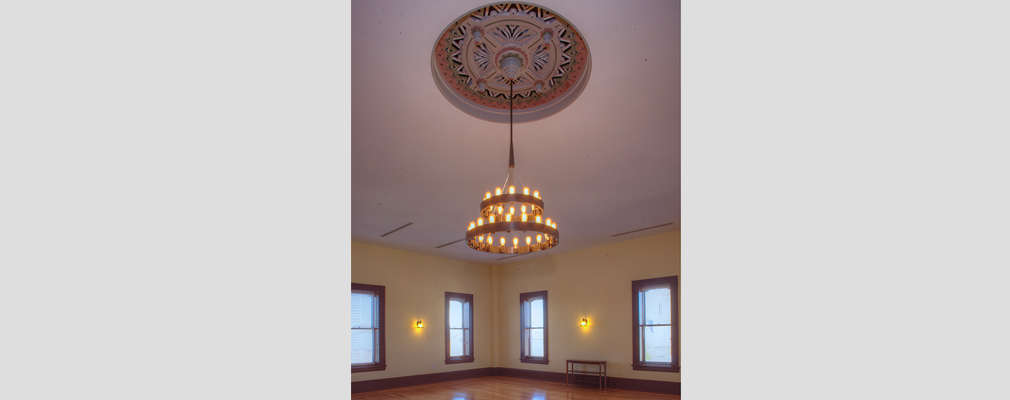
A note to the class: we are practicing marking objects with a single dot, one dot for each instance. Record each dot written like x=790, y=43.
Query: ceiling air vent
x=643, y=229
x=394, y=230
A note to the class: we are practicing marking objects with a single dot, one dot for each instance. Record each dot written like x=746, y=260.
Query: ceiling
x=608, y=163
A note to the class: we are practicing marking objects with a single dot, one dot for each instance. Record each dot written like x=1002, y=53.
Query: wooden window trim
x=523, y=298
x=449, y=296
x=674, y=365
x=380, y=292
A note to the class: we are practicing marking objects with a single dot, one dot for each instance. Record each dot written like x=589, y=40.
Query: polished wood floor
x=501, y=387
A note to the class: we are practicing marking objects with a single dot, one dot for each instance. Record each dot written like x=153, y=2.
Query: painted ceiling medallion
x=476, y=52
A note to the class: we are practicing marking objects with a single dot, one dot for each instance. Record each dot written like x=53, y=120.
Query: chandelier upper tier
x=543, y=52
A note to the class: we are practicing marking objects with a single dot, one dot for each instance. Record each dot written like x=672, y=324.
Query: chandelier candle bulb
x=512, y=189
x=536, y=194
x=497, y=191
x=526, y=191
x=508, y=217
x=487, y=195
x=538, y=219
x=538, y=238
x=527, y=240
x=491, y=219
x=515, y=242
x=524, y=217
x=502, y=241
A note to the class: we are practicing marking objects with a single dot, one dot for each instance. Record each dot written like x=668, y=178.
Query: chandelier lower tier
x=512, y=223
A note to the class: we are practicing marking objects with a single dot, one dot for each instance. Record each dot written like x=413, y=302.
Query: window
x=368, y=337
x=654, y=319
x=533, y=327
x=458, y=328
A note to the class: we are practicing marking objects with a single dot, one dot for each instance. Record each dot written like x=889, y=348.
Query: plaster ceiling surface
x=607, y=163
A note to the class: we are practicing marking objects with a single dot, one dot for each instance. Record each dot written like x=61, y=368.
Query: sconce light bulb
x=419, y=324
x=584, y=322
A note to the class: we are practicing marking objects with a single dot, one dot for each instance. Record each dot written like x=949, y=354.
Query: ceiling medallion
x=546, y=54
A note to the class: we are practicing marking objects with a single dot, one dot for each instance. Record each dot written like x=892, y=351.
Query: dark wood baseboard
x=641, y=385
x=414, y=380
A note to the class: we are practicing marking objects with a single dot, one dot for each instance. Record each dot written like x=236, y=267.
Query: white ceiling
x=609, y=163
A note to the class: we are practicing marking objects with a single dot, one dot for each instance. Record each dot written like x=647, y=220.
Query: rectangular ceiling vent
x=506, y=258
x=643, y=229
x=439, y=247
x=394, y=230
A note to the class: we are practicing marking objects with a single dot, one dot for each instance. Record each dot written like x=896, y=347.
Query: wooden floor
x=502, y=387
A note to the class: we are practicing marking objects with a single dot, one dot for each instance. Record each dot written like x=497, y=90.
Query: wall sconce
x=419, y=324
x=584, y=322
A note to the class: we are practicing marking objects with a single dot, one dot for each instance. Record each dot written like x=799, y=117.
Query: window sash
x=533, y=337
x=655, y=319
x=458, y=327
x=367, y=314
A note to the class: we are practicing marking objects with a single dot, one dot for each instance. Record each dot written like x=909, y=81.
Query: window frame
x=674, y=364
x=468, y=341
x=380, y=292
x=523, y=356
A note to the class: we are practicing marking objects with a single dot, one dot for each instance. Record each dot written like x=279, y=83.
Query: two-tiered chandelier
x=512, y=220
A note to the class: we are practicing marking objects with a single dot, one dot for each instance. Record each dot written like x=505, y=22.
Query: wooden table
x=572, y=375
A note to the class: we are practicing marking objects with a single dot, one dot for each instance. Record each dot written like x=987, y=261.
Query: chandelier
x=512, y=220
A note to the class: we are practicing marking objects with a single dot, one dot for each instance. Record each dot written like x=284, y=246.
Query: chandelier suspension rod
x=512, y=160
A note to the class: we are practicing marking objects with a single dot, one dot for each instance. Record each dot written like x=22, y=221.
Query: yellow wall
x=593, y=282
x=415, y=288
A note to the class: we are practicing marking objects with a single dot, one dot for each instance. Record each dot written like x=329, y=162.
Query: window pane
x=656, y=344
x=361, y=310
x=537, y=313
x=536, y=345
x=362, y=346
x=455, y=314
x=455, y=342
x=656, y=305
